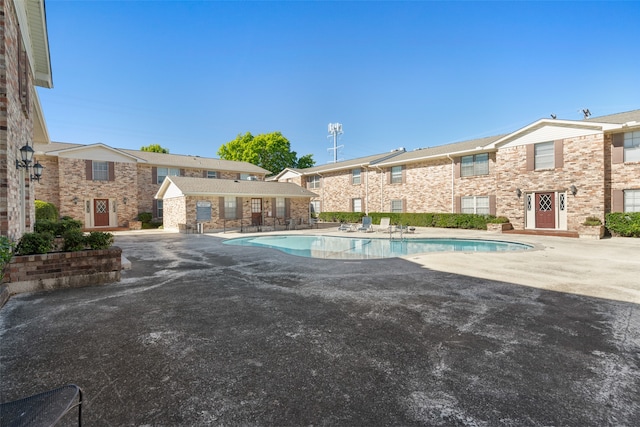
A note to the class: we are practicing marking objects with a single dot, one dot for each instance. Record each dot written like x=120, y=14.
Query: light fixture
x=26, y=157
x=125, y=200
x=75, y=200
x=573, y=189
x=518, y=192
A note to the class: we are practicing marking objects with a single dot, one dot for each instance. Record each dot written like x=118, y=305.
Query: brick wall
x=31, y=273
x=47, y=189
x=583, y=166
x=16, y=130
x=73, y=183
x=623, y=176
x=182, y=210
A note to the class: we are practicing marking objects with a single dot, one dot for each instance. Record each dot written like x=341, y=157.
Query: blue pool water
x=331, y=247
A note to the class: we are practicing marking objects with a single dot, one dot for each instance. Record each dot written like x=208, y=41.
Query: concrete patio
x=200, y=333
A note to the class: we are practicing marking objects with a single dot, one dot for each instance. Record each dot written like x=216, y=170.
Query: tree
x=306, y=161
x=271, y=151
x=155, y=148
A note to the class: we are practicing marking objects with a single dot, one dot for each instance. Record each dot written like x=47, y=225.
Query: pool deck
x=607, y=268
x=200, y=333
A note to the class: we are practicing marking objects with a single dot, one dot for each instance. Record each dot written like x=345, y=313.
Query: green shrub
x=57, y=227
x=99, y=240
x=145, y=217
x=74, y=240
x=67, y=223
x=592, y=221
x=442, y=220
x=46, y=211
x=6, y=252
x=47, y=226
x=341, y=216
x=625, y=224
x=498, y=220
x=35, y=243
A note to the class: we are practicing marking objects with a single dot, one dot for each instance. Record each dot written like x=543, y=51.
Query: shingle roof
x=347, y=164
x=169, y=160
x=618, y=118
x=227, y=187
x=441, y=150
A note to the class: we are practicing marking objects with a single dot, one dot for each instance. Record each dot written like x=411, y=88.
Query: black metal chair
x=43, y=409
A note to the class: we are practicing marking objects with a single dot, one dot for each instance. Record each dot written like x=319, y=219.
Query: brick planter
x=591, y=231
x=499, y=228
x=30, y=273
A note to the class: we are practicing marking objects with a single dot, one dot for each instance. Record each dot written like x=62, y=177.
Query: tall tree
x=271, y=151
x=306, y=161
x=154, y=148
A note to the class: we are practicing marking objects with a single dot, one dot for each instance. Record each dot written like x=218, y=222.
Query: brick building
x=551, y=174
x=24, y=64
x=220, y=204
x=104, y=186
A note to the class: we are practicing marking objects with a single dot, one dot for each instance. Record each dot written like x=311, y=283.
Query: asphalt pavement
x=200, y=333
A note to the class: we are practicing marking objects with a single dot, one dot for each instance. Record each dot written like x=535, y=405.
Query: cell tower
x=335, y=129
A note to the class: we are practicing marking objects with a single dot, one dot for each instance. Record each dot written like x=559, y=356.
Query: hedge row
x=625, y=224
x=441, y=220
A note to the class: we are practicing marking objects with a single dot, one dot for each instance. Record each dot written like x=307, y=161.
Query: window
x=100, y=171
x=245, y=176
x=543, y=155
x=164, y=172
x=396, y=175
x=229, y=207
x=475, y=205
x=396, y=206
x=356, y=205
x=477, y=164
x=632, y=200
x=314, y=181
x=632, y=146
x=315, y=206
x=355, y=176
x=280, y=207
x=212, y=174
x=159, y=209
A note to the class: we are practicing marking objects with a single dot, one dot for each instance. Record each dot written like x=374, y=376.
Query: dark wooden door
x=100, y=212
x=256, y=211
x=545, y=210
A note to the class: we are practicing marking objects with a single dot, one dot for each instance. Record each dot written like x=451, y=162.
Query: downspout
x=453, y=174
x=381, y=188
x=321, y=191
x=366, y=189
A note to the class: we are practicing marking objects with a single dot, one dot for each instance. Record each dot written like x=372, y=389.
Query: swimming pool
x=332, y=247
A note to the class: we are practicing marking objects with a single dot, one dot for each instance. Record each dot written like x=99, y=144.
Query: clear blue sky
x=192, y=75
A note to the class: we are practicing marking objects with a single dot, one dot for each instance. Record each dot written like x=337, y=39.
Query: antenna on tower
x=335, y=129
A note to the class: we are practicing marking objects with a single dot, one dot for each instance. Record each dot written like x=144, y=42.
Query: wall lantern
x=26, y=157
x=75, y=200
x=125, y=200
x=518, y=193
x=573, y=189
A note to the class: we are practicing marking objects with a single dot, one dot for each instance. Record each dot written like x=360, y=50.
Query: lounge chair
x=385, y=225
x=366, y=226
x=346, y=227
